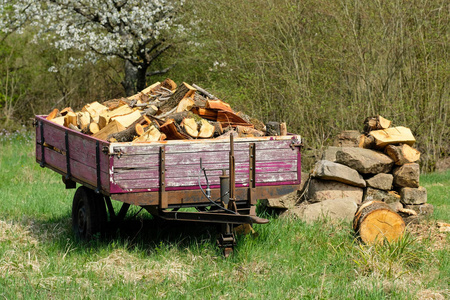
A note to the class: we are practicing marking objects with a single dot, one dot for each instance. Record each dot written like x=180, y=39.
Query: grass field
x=39, y=257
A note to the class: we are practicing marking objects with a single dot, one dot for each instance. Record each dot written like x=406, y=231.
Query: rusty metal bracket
x=163, y=199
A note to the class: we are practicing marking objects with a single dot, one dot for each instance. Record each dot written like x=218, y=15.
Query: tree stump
x=375, y=221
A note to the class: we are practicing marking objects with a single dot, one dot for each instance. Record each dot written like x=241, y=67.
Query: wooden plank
x=276, y=177
x=80, y=171
x=203, y=145
x=176, y=182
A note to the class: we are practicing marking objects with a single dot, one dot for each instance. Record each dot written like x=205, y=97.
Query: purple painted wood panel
x=80, y=171
x=195, y=146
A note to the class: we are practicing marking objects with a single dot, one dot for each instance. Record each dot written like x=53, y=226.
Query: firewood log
x=272, y=129
x=375, y=123
x=283, y=129
x=183, y=91
x=402, y=154
x=95, y=109
x=394, y=135
x=70, y=118
x=112, y=127
x=190, y=126
x=173, y=131
x=53, y=114
x=375, y=221
x=83, y=120
x=206, y=130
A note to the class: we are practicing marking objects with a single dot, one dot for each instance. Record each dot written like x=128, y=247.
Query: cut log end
x=375, y=222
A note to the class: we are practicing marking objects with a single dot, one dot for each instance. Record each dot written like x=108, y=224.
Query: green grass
x=39, y=257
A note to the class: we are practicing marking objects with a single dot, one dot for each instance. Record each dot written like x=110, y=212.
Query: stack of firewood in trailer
x=164, y=111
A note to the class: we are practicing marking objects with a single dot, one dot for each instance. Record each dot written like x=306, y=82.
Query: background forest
x=320, y=66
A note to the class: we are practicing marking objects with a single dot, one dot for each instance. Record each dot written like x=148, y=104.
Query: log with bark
x=375, y=123
x=183, y=91
x=375, y=222
x=402, y=154
x=393, y=135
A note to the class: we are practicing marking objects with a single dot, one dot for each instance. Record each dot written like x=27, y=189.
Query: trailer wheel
x=88, y=213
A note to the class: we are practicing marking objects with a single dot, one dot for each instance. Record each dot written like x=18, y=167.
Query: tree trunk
x=130, y=80
x=141, y=82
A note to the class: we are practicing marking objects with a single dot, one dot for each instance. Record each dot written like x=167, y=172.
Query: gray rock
x=304, y=180
x=396, y=206
x=364, y=161
x=330, y=153
x=413, y=195
x=371, y=194
x=334, y=209
x=381, y=181
x=285, y=202
x=407, y=175
x=328, y=170
x=347, y=138
x=422, y=209
x=320, y=190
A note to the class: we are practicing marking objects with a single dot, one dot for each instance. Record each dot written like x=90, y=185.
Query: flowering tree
x=134, y=30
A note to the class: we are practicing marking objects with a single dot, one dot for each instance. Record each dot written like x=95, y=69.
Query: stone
x=304, y=180
x=330, y=153
x=396, y=206
x=407, y=175
x=328, y=170
x=320, y=190
x=333, y=209
x=347, y=138
x=413, y=195
x=365, y=161
x=371, y=194
x=285, y=202
x=381, y=181
x=422, y=209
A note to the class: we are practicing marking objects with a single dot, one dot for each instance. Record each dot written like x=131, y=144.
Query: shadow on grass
x=143, y=233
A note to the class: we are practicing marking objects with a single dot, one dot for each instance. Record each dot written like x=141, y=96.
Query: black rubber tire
x=88, y=214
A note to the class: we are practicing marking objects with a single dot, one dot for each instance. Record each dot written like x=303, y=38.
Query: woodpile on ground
x=376, y=170
x=164, y=111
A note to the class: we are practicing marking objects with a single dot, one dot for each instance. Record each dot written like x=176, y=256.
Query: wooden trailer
x=221, y=178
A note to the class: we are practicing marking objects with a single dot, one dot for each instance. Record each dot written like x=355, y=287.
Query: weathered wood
x=394, y=135
x=183, y=91
x=375, y=221
x=272, y=129
x=230, y=118
x=402, y=154
x=375, y=123
x=205, y=92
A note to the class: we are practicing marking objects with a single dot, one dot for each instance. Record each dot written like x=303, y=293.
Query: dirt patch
x=429, y=233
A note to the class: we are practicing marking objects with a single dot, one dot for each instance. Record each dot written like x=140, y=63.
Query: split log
x=183, y=91
x=185, y=105
x=402, y=154
x=113, y=127
x=180, y=116
x=70, y=118
x=139, y=129
x=53, y=114
x=283, y=129
x=106, y=116
x=375, y=221
x=58, y=120
x=66, y=110
x=172, y=131
x=83, y=120
x=245, y=131
x=151, y=110
x=218, y=105
x=191, y=127
x=95, y=109
x=73, y=127
x=169, y=84
x=94, y=128
x=394, y=135
x=151, y=135
x=144, y=92
x=375, y=123
x=366, y=141
x=206, y=130
x=230, y=118
x=206, y=113
x=128, y=119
